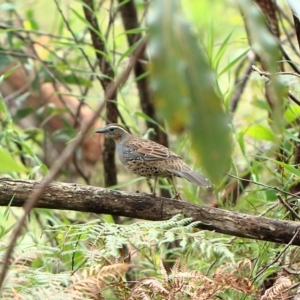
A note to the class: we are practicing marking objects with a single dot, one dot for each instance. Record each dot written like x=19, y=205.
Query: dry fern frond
x=197, y=286
x=230, y=281
x=221, y=281
x=279, y=290
x=242, y=265
x=297, y=294
x=164, y=271
x=148, y=286
x=84, y=285
x=176, y=267
x=24, y=257
x=175, y=286
x=90, y=282
x=193, y=285
x=141, y=295
x=174, y=270
x=113, y=270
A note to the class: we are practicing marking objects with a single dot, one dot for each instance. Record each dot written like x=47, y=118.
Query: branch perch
x=71, y=196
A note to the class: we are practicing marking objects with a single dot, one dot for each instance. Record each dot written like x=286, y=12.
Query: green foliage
x=90, y=253
x=8, y=164
x=111, y=238
x=185, y=87
x=266, y=46
x=12, y=145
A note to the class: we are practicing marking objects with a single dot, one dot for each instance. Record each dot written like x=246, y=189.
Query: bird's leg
x=177, y=195
x=154, y=186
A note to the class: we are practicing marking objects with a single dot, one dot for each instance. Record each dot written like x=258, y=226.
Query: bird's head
x=114, y=131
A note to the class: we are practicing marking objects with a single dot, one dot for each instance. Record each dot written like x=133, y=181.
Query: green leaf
x=31, y=19
x=23, y=112
x=261, y=104
x=265, y=45
x=8, y=6
x=10, y=71
x=132, y=31
x=292, y=113
x=261, y=132
x=128, y=52
x=233, y=62
x=72, y=79
x=5, y=60
x=241, y=141
x=221, y=51
x=8, y=163
x=185, y=87
x=4, y=111
x=290, y=136
x=288, y=167
x=262, y=40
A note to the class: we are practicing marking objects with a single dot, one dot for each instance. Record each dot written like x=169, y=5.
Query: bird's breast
x=120, y=151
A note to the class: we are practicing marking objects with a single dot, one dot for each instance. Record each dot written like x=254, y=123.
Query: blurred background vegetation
x=217, y=83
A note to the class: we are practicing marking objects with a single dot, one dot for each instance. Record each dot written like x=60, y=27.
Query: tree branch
x=84, y=198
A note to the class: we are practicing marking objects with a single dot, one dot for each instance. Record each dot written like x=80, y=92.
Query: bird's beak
x=103, y=130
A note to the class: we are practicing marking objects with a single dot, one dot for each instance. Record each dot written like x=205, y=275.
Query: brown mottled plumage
x=149, y=159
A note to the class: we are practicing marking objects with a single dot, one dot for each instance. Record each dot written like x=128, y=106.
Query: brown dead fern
x=91, y=282
x=181, y=284
x=280, y=289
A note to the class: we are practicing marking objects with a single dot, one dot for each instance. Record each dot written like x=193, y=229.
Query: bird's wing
x=151, y=152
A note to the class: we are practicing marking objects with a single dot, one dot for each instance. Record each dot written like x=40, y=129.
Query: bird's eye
x=111, y=129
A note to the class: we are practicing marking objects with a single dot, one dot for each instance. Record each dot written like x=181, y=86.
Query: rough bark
x=84, y=198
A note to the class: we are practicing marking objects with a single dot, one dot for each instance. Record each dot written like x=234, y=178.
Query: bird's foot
x=153, y=194
x=177, y=197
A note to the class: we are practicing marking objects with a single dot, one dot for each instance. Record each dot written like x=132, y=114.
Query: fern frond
x=148, y=286
x=91, y=282
x=279, y=290
x=163, y=271
x=176, y=266
x=104, y=241
x=113, y=270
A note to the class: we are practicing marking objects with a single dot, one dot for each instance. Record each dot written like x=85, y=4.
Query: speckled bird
x=150, y=159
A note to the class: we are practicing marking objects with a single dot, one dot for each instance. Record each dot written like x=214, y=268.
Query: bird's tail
x=195, y=178
x=186, y=172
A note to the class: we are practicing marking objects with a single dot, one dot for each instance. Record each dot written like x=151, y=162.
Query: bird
x=150, y=159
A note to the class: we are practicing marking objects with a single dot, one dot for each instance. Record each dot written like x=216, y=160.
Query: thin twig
x=73, y=34
x=20, y=29
x=287, y=206
x=277, y=257
x=23, y=55
x=240, y=83
x=267, y=74
x=293, y=98
x=291, y=272
x=268, y=209
x=265, y=186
